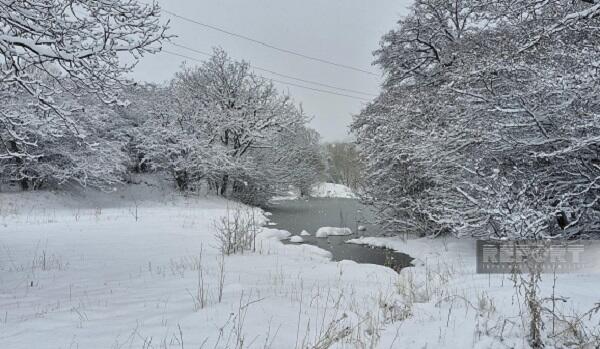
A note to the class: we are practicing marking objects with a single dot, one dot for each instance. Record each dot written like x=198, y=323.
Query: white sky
x=344, y=31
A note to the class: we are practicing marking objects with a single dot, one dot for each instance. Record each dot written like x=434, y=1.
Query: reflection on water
x=297, y=215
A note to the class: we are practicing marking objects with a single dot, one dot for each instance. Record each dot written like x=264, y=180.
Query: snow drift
x=324, y=232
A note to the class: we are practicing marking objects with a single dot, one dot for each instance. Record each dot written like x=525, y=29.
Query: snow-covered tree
x=77, y=43
x=219, y=123
x=298, y=156
x=52, y=155
x=488, y=122
x=53, y=53
x=236, y=109
x=344, y=165
x=164, y=137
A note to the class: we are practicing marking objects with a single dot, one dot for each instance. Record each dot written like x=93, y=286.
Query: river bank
x=105, y=270
x=102, y=270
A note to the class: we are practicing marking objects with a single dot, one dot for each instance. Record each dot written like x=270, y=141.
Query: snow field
x=105, y=277
x=147, y=273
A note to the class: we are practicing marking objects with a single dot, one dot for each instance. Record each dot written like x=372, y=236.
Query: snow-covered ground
x=124, y=270
x=332, y=190
x=128, y=270
x=451, y=306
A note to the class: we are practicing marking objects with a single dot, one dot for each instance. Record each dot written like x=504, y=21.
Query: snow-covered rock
x=332, y=190
x=272, y=234
x=296, y=239
x=304, y=233
x=362, y=228
x=324, y=232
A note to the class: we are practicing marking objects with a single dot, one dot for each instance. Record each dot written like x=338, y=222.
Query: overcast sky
x=344, y=31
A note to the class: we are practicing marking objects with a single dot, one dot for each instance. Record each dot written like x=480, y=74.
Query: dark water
x=297, y=215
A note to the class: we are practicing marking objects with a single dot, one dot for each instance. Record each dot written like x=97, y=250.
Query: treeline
x=489, y=120
x=216, y=126
x=343, y=164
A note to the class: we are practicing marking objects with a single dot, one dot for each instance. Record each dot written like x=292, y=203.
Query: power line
x=273, y=47
x=282, y=75
x=279, y=81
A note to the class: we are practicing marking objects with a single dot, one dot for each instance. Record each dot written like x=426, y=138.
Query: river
x=298, y=215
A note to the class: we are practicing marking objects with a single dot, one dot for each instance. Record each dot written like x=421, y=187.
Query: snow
x=304, y=233
x=79, y=271
x=324, y=232
x=445, y=286
x=361, y=228
x=296, y=239
x=332, y=190
x=291, y=194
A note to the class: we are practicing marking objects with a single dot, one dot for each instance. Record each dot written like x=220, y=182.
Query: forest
x=488, y=120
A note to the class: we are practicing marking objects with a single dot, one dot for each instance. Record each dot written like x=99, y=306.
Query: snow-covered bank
x=107, y=271
x=320, y=190
x=332, y=190
x=85, y=271
x=451, y=306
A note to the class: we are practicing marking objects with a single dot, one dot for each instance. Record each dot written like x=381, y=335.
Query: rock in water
x=296, y=239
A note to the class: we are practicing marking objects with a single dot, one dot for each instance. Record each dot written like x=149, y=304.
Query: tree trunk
x=304, y=192
x=181, y=178
x=23, y=182
x=224, y=185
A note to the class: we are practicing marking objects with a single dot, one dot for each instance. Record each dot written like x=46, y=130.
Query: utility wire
x=282, y=75
x=279, y=81
x=273, y=47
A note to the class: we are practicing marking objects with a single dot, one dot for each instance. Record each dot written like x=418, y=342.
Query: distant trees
x=489, y=121
x=344, y=165
x=300, y=159
x=54, y=54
